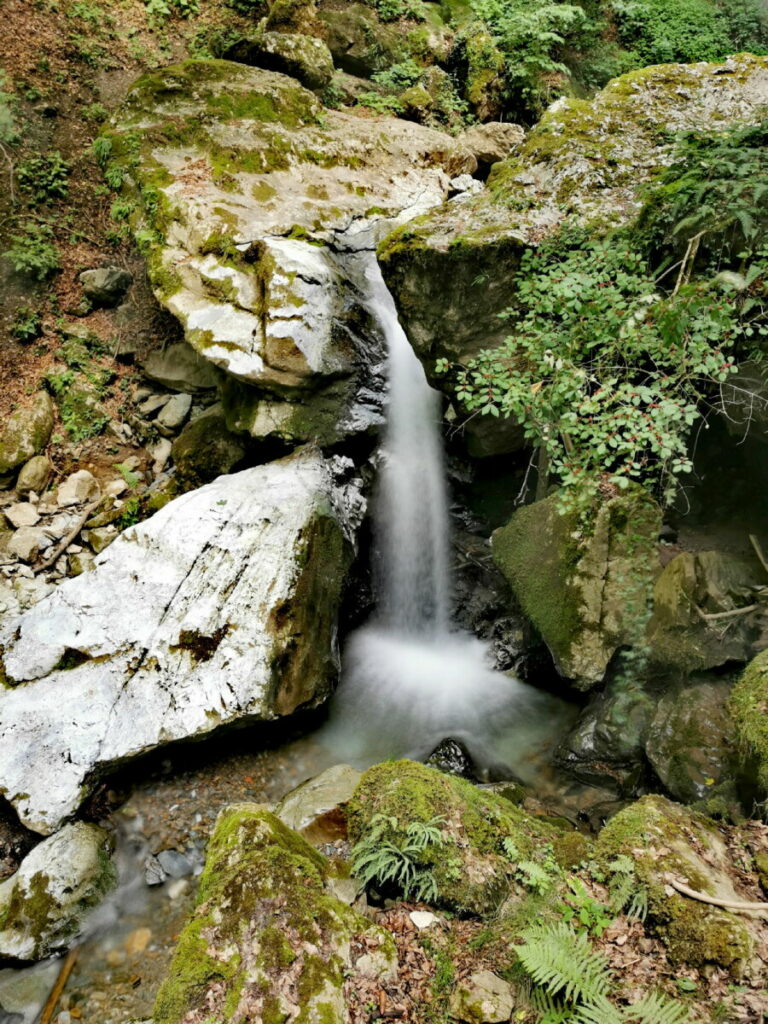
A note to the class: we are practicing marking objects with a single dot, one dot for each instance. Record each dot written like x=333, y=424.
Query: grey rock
x=24, y=993
x=180, y=368
x=100, y=537
x=493, y=141
x=153, y=871
x=175, y=864
x=177, y=643
x=315, y=807
x=175, y=412
x=34, y=475
x=42, y=906
x=81, y=561
x=153, y=404
x=105, y=286
x=205, y=448
x=484, y=998
x=79, y=487
x=26, y=432
x=22, y=514
x=303, y=57
x=27, y=543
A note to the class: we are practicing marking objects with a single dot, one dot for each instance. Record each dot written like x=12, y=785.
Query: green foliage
x=378, y=860
x=399, y=76
x=27, y=324
x=396, y=10
x=246, y=6
x=381, y=103
x=127, y=474
x=626, y=891
x=159, y=10
x=102, y=149
x=574, y=984
x=33, y=251
x=604, y=373
x=44, y=178
x=129, y=515
x=581, y=909
x=76, y=405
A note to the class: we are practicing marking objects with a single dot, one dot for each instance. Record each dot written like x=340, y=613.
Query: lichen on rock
x=267, y=941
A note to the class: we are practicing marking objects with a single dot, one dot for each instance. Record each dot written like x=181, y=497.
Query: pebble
x=177, y=888
x=153, y=871
x=137, y=941
x=423, y=919
x=174, y=864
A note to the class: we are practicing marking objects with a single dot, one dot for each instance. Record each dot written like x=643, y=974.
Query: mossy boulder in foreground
x=267, y=942
x=584, y=584
x=749, y=707
x=471, y=867
x=668, y=843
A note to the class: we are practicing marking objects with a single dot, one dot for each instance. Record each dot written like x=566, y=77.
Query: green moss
x=749, y=708
x=470, y=869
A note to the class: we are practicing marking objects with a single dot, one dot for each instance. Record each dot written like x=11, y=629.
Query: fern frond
x=656, y=1008
x=638, y=906
x=599, y=1011
x=552, y=1010
x=563, y=962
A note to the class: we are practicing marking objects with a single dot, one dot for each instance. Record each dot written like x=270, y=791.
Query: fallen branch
x=53, y=999
x=64, y=544
x=758, y=550
x=713, y=616
x=702, y=897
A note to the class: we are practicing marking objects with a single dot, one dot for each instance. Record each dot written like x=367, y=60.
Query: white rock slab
x=220, y=607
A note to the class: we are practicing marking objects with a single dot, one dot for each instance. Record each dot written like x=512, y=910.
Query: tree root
x=738, y=905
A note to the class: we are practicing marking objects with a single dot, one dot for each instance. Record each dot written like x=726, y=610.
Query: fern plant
x=626, y=892
x=378, y=859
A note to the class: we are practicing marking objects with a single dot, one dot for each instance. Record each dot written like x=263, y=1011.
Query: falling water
x=409, y=680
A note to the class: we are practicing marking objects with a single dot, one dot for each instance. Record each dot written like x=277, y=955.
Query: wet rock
x=175, y=864
x=174, y=412
x=26, y=432
x=302, y=57
x=665, y=840
x=105, y=286
x=42, y=906
x=78, y=488
x=153, y=871
x=22, y=514
x=585, y=589
x=483, y=999
x=315, y=809
x=137, y=941
x=263, y=906
x=691, y=742
x=206, y=448
x=23, y=994
x=453, y=758
x=34, y=475
x=181, y=368
x=170, y=643
x=493, y=141
x=692, y=587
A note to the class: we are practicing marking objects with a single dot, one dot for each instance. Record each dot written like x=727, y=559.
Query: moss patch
x=749, y=708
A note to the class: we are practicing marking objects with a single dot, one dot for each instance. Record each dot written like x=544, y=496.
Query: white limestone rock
x=221, y=607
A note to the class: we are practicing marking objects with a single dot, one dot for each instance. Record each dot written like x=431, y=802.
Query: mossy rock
x=26, y=432
x=749, y=708
x=584, y=582
x=665, y=841
x=266, y=941
x=302, y=57
x=206, y=448
x=471, y=870
x=361, y=45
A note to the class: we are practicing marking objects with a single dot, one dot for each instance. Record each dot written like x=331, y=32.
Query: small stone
x=161, y=452
x=424, y=919
x=137, y=941
x=105, y=286
x=27, y=543
x=22, y=514
x=177, y=888
x=115, y=957
x=77, y=488
x=175, y=412
x=100, y=537
x=34, y=475
x=81, y=562
x=483, y=999
x=174, y=864
x=153, y=871
x=115, y=488
x=153, y=404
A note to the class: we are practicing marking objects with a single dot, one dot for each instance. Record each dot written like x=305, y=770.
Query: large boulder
x=697, y=620
x=583, y=581
x=249, y=196
x=206, y=448
x=219, y=609
x=481, y=838
x=749, y=707
x=26, y=432
x=268, y=941
x=43, y=904
x=586, y=159
x=302, y=57
x=670, y=844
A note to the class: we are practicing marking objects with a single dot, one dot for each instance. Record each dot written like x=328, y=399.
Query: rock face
x=222, y=607
x=42, y=906
x=268, y=941
x=302, y=57
x=587, y=159
x=585, y=587
x=316, y=807
x=668, y=841
x=749, y=707
x=470, y=864
x=692, y=587
x=249, y=179
x=26, y=432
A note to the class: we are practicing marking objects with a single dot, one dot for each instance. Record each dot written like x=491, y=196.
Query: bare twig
x=53, y=999
x=758, y=550
x=64, y=544
x=712, y=617
x=714, y=901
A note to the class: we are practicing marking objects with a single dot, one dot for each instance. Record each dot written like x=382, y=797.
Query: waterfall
x=410, y=680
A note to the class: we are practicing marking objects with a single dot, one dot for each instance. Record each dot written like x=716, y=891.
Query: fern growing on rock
x=378, y=860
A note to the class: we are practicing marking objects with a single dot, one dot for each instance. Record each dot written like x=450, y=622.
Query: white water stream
x=409, y=679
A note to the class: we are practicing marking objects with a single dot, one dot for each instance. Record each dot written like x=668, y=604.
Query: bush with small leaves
x=33, y=252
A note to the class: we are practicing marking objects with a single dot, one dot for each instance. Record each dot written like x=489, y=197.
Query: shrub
x=44, y=178
x=34, y=252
